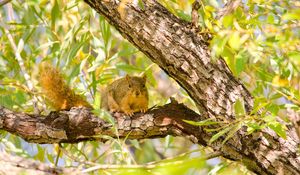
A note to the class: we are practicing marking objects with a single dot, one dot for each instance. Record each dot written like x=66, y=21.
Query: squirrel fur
x=128, y=95
x=56, y=91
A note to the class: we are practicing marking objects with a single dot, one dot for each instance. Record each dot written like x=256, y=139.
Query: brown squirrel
x=128, y=94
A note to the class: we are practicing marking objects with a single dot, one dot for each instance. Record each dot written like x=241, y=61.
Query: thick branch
x=185, y=56
x=80, y=124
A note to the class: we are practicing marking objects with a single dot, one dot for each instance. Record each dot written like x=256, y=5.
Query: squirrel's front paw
x=144, y=110
x=129, y=113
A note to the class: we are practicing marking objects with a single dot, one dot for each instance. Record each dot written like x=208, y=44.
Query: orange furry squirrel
x=128, y=94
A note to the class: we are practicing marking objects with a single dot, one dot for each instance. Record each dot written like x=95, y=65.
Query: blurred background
x=259, y=41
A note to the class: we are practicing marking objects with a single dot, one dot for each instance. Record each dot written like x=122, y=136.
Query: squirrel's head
x=137, y=85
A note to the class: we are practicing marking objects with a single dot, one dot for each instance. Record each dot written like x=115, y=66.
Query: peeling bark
x=80, y=124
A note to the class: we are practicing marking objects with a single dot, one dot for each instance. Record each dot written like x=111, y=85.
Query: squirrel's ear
x=144, y=77
x=127, y=77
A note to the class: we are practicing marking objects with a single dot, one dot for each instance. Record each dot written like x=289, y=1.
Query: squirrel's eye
x=129, y=85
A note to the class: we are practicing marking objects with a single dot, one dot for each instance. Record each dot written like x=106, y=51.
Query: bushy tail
x=57, y=92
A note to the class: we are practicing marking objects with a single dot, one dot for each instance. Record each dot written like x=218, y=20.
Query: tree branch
x=79, y=124
x=228, y=8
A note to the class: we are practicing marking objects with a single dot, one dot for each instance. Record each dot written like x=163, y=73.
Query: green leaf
x=234, y=41
x=251, y=127
x=128, y=68
x=202, y=123
x=135, y=144
x=141, y=4
x=240, y=64
x=40, y=153
x=269, y=118
x=273, y=108
x=232, y=132
x=74, y=48
x=292, y=15
x=239, y=108
x=294, y=56
x=227, y=20
x=279, y=128
x=55, y=14
x=270, y=18
x=219, y=134
x=50, y=157
x=168, y=141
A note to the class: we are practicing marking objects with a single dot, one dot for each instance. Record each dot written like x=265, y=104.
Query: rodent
x=56, y=91
x=128, y=95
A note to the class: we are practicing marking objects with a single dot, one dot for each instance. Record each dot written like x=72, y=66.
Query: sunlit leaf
x=227, y=20
x=280, y=81
x=202, y=123
x=240, y=64
x=292, y=15
x=278, y=128
x=230, y=134
x=239, y=108
x=220, y=133
x=234, y=41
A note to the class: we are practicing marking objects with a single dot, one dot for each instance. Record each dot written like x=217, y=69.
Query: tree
x=216, y=59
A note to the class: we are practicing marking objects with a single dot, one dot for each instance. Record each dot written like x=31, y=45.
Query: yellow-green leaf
x=234, y=41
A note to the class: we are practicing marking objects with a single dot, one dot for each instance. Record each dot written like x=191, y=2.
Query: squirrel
x=57, y=92
x=128, y=94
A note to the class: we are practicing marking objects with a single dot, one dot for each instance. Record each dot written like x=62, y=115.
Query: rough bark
x=184, y=55
x=79, y=124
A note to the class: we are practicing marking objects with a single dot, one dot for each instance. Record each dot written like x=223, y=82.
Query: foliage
x=260, y=42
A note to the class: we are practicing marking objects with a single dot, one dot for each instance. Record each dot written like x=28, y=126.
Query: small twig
x=58, y=154
x=174, y=157
x=148, y=166
x=3, y=2
x=228, y=8
x=195, y=17
x=18, y=86
x=85, y=162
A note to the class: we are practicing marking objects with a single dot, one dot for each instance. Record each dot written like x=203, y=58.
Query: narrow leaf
x=239, y=108
x=232, y=132
x=219, y=134
x=278, y=128
x=202, y=123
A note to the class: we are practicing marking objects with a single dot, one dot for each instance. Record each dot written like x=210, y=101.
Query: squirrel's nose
x=137, y=93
